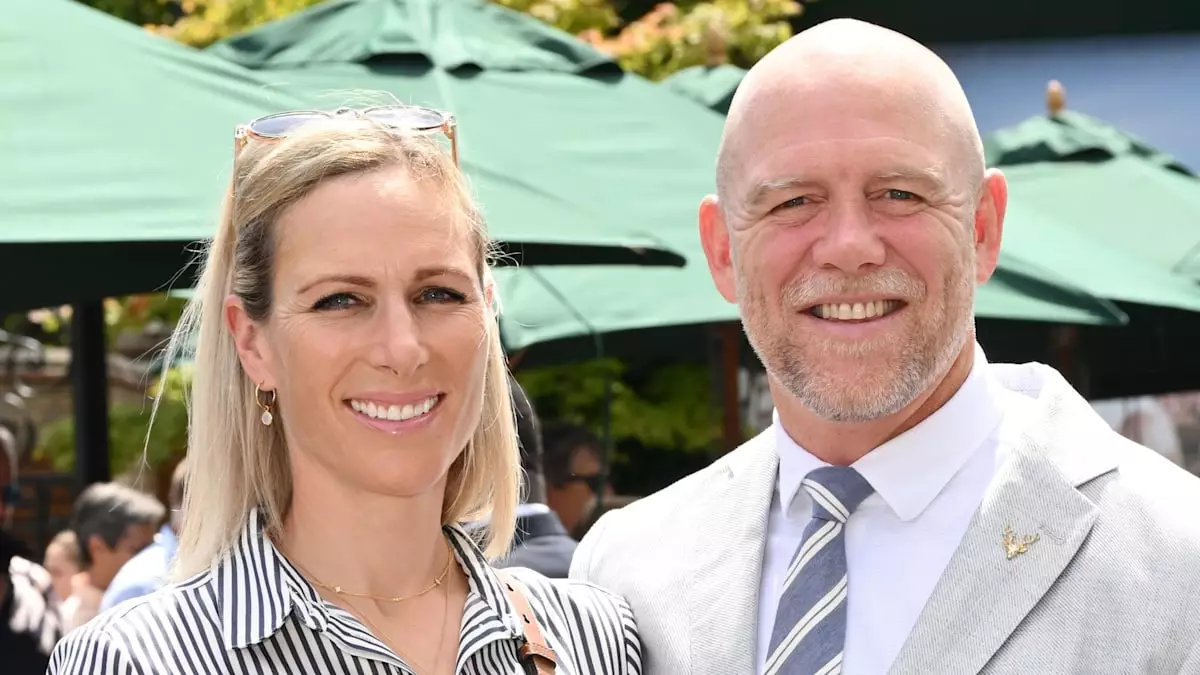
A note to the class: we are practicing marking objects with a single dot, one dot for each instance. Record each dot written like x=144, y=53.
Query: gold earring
x=267, y=417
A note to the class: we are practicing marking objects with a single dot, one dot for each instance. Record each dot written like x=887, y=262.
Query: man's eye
x=793, y=203
x=902, y=195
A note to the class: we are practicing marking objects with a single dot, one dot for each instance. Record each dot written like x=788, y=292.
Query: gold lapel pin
x=1013, y=546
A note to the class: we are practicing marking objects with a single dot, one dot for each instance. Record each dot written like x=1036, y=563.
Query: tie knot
x=836, y=491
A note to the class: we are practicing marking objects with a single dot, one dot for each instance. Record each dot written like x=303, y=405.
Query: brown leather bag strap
x=536, y=656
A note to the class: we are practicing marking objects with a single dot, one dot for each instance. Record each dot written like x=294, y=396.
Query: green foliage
x=133, y=313
x=207, y=21
x=572, y=16
x=671, y=409
x=674, y=36
x=132, y=438
x=140, y=12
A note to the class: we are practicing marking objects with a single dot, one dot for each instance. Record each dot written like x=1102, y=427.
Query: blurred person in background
x=573, y=480
x=62, y=562
x=350, y=411
x=112, y=523
x=147, y=571
x=541, y=542
x=30, y=623
x=1148, y=422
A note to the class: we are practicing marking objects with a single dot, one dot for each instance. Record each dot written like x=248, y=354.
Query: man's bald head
x=853, y=221
x=844, y=69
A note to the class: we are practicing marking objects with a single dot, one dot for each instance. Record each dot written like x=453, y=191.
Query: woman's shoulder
x=118, y=640
x=568, y=593
x=581, y=616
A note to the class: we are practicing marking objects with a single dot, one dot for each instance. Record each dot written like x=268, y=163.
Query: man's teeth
x=856, y=311
x=396, y=413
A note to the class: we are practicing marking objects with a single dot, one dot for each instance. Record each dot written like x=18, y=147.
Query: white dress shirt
x=928, y=483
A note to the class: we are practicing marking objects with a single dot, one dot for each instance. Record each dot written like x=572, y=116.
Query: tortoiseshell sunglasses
x=407, y=118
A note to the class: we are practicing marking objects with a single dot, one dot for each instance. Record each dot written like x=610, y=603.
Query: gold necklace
x=408, y=659
x=338, y=590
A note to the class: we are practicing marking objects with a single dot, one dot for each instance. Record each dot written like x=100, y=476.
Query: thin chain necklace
x=412, y=663
x=338, y=590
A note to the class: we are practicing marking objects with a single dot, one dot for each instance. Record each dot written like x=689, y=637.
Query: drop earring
x=267, y=418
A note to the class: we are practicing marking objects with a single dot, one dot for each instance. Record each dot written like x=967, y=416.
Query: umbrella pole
x=606, y=456
x=89, y=390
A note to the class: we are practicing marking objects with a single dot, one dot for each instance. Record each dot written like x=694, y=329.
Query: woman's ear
x=249, y=340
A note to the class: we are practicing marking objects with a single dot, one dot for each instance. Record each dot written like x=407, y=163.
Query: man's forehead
x=836, y=161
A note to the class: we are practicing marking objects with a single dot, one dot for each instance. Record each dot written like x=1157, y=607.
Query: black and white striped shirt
x=254, y=613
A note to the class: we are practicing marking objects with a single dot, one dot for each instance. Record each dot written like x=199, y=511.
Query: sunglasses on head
x=400, y=117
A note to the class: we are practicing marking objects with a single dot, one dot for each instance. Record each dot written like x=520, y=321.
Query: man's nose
x=850, y=241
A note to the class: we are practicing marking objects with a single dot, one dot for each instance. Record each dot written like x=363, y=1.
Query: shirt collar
x=911, y=470
x=531, y=509
x=167, y=539
x=257, y=588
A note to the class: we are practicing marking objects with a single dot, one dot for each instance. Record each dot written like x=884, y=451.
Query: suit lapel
x=983, y=594
x=726, y=560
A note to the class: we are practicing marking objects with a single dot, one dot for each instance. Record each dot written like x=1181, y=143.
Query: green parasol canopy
x=118, y=146
x=710, y=86
x=1110, y=188
x=539, y=111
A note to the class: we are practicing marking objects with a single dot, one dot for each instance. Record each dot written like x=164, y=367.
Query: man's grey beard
x=924, y=357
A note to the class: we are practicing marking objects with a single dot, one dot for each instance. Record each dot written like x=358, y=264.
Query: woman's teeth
x=395, y=413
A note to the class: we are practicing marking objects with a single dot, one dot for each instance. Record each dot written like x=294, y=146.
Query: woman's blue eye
x=336, y=301
x=440, y=294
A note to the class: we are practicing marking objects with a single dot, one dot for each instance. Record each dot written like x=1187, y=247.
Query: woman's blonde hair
x=235, y=462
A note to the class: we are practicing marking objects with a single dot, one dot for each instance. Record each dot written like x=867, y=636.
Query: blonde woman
x=350, y=409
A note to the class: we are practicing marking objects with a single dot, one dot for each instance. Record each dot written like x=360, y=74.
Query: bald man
x=913, y=509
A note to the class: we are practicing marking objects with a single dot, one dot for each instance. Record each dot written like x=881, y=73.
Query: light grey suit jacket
x=1111, y=587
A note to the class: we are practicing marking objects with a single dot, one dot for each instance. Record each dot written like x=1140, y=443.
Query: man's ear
x=97, y=547
x=714, y=237
x=248, y=339
x=989, y=224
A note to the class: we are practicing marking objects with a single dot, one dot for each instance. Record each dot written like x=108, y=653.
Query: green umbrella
x=118, y=145
x=1108, y=187
x=710, y=86
x=539, y=111
x=1108, y=191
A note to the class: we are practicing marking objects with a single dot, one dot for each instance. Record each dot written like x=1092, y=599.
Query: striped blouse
x=254, y=613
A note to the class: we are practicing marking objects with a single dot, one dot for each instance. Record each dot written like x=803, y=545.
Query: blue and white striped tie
x=810, y=625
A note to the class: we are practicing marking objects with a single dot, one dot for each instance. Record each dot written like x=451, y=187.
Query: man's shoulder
x=651, y=512
x=556, y=597
x=143, y=574
x=1151, y=495
x=549, y=555
x=571, y=610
